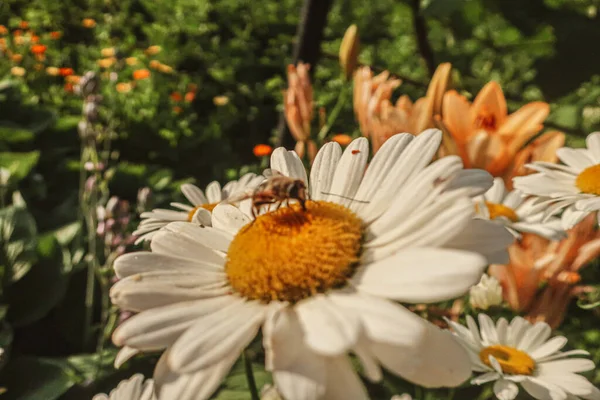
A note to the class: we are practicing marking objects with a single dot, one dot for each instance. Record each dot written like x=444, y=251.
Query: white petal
x=535, y=337
x=323, y=169
x=438, y=361
x=484, y=237
x=414, y=158
x=349, y=172
x=216, y=336
x=199, y=385
x=201, y=217
x=380, y=168
x=382, y=320
x=567, y=365
x=288, y=163
x=572, y=217
x=497, y=192
x=570, y=383
x=579, y=159
x=593, y=145
x=213, y=192
x=193, y=194
x=485, y=378
x=418, y=275
x=329, y=329
x=229, y=218
x=550, y=347
x=124, y=355
x=205, y=236
x=160, y=327
x=505, y=390
x=371, y=368
x=299, y=374
x=488, y=330
x=589, y=204
x=478, y=180
x=543, y=390
x=172, y=244
x=145, y=261
x=342, y=382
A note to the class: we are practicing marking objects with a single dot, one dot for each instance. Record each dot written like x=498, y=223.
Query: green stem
x=451, y=394
x=418, y=393
x=250, y=376
x=339, y=105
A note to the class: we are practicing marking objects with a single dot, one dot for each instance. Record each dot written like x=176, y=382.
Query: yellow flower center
x=291, y=254
x=209, y=207
x=511, y=360
x=588, y=181
x=500, y=210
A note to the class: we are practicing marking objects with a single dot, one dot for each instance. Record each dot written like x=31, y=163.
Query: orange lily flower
x=571, y=254
x=299, y=108
x=379, y=119
x=484, y=135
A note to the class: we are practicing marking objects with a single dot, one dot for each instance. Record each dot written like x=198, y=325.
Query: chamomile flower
x=487, y=293
x=574, y=186
x=318, y=281
x=199, y=210
x=517, y=213
x=524, y=353
x=133, y=388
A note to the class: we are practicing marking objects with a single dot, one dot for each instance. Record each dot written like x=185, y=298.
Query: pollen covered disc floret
x=511, y=360
x=588, y=180
x=291, y=254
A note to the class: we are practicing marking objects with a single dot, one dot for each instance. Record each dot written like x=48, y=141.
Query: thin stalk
x=250, y=376
x=104, y=286
x=451, y=394
x=339, y=105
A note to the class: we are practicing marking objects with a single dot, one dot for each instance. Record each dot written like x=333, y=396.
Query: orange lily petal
x=491, y=100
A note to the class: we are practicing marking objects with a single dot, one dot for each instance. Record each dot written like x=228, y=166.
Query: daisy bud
x=143, y=199
x=349, y=51
x=4, y=176
x=486, y=293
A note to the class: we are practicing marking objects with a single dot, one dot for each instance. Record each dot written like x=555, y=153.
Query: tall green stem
x=250, y=376
x=339, y=105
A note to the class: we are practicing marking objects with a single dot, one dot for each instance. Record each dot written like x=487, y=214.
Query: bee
x=277, y=189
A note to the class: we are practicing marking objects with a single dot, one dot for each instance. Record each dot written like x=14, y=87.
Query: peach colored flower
x=124, y=87
x=3, y=30
x=484, y=135
x=298, y=101
x=16, y=57
x=219, y=100
x=108, y=52
x=379, y=119
x=541, y=149
x=107, y=62
x=53, y=71
x=140, y=74
x=190, y=96
x=262, y=150
x=88, y=23
x=342, y=139
x=131, y=60
x=18, y=71
x=153, y=50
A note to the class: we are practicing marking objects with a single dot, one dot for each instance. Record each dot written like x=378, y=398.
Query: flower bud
x=349, y=49
x=486, y=293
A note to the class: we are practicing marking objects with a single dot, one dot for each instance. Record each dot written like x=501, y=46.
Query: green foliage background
x=537, y=49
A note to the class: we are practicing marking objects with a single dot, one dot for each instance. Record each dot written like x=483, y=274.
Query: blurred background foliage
x=214, y=91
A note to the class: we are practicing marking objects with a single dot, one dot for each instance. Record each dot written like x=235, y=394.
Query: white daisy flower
x=487, y=293
x=133, y=388
x=517, y=213
x=318, y=282
x=523, y=353
x=574, y=186
x=199, y=210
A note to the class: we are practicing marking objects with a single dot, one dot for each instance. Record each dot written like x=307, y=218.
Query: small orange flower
x=23, y=24
x=140, y=74
x=190, y=96
x=2, y=44
x=124, y=87
x=69, y=87
x=34, y=39
x=262, y=150
x=3, y=30
x=17, y=33
x=108, y=52
x=165, y=69
x=88, y=23
x=65, y=71
x=17, y=71
x=154, y=64
x=55, y=35
x=73, y=79
x=16, y=58
x=176, y=96
x=152, y=50
x=177, y=109
x=106, y=62
x=220, y=100
x=342, y=139
x=53, y=71
x=38, y=49
x=131, y=60
x=192, y=87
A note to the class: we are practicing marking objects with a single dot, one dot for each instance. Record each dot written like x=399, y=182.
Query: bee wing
x=239, y=196
x=270, y=173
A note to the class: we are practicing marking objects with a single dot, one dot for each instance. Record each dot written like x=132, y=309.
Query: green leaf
x=31, y=378
x=19, y=164
x=10, y=134
x=235, y=386
x=17, y=241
